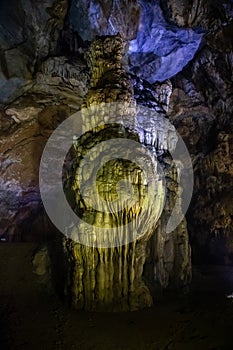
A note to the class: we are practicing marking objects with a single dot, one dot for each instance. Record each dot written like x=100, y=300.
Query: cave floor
x=32, y=317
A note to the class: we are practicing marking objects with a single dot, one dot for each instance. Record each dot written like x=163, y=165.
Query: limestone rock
x=201, y=108
x=29, y=32
x=101, y=278
x=41, y=262
x=161, y=49
x=187, y=41
x=105, y=18
x=158, y=49
x=61, y=70
x=207, y=14
x=26, y=125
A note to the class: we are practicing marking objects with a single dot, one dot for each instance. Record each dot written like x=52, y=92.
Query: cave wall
x=45, y=77
x=201, y=107
x=29, y=32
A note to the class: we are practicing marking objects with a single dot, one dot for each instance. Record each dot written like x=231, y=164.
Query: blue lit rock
x=160, y=50
x=104, y=18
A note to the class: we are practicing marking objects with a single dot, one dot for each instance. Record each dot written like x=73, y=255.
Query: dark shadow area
x=33, y=317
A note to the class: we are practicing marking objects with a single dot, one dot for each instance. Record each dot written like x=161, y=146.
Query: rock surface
x=45, y=72
x=158, y=49
x=29, y=33
x=201, y=108
x=161, y=49
x=91, y=18
x=26, y=125
x=112, y=278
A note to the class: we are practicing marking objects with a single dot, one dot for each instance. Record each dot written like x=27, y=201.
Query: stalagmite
x=104, y=276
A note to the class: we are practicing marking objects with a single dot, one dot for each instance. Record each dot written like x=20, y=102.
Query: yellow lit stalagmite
x=107, y=271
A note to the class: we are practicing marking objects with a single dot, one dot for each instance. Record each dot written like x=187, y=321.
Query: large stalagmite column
x=105, y=272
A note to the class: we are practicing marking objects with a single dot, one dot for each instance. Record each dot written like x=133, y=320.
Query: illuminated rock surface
x=44, y=76
x=158, y=49
x=161, y=49
x=112, y=278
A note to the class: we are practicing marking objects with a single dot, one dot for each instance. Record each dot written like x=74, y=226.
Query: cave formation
x=140, y=79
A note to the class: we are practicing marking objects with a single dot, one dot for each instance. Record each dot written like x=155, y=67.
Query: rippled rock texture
x=107, y=272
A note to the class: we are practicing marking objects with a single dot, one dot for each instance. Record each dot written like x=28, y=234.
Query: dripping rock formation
x=110, y=276
x=172, y=57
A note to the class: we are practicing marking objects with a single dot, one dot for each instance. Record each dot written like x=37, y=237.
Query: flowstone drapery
x=117, y=186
